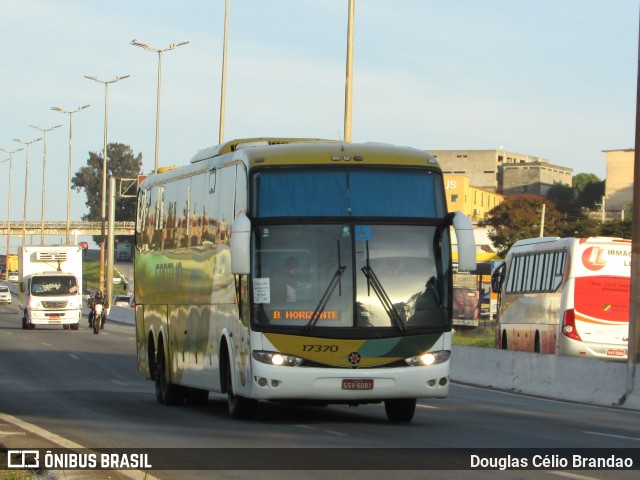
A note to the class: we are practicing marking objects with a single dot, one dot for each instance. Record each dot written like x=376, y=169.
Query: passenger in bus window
x=285, y=281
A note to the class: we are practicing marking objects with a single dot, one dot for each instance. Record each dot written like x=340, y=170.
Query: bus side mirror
x=466, y=241
x=22, y=287
x=240, y=245
x=497, y=278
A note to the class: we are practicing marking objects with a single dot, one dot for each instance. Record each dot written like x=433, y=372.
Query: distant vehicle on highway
x=5, y=294
x=121, y=300
x=565, y=295
x=13, y=277
x=124, y=252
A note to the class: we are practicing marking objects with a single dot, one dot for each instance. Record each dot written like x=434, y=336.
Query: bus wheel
x=24, y=323
x=239, y=406
x=75, y=326
x=504, y=345
x=400, y=409
x=65, y=326
x=166, y=392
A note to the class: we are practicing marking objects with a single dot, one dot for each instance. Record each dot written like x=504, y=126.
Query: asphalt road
x=85, y=388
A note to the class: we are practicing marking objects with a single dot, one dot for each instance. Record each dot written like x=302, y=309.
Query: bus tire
x=166, y=392
x=75, y=326
x=536, y=343
x=400, y=409
x=239, y=407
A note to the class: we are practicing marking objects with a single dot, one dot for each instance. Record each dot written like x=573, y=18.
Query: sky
x=555, y=79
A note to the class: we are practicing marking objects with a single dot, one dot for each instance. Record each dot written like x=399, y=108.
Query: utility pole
x=633, y=355
x=544, y=209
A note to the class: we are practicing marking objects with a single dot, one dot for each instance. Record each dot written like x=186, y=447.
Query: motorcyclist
x=98, y=298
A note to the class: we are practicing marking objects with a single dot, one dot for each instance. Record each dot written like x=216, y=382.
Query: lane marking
x=74, y=356
x=613, y=436
x=572, y=475
x=427, y=406
x=314, y=429
x=64, y=443
x=118, y=382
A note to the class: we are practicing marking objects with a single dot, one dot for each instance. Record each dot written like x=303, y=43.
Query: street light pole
x=223, y=87
x=159, y=51
x=44, y=173
x=26, y=177
x=103, y=209
x=349, y=74
x=70, y=112
x=9, y=206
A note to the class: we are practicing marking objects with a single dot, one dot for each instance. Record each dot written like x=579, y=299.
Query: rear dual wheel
x=166, y=392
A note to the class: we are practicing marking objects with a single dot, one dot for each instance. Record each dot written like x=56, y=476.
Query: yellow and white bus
x=297, y=270
x=565, y=295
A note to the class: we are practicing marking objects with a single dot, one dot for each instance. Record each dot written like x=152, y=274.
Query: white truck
x=50, y=285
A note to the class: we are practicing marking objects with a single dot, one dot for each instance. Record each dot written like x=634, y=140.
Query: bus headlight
x=428, y=358
x=277, y=358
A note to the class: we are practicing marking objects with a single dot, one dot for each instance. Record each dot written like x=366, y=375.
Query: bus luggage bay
x=565, y=295
x=297, y=270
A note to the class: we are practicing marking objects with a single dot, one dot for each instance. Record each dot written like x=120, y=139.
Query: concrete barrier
x=124, y=315
x=585, y=380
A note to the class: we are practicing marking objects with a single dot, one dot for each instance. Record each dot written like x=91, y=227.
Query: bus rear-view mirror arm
x=466, y=241
x=240, y=245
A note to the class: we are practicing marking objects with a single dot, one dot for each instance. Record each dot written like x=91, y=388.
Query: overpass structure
x=60, y=228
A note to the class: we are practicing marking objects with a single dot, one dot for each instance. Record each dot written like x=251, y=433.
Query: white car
x=121, y=301
x=5, y=294
x=13, y=277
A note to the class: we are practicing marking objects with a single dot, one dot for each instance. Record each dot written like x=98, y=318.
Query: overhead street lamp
x=44, y=172
x=26, y=177
x=70, y=112
x=159, y=51
x=9, y=204
x=103, y=210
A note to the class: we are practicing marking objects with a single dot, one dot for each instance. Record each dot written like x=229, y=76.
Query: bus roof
x=294, y=151
x=564, y=241
x=290, y=151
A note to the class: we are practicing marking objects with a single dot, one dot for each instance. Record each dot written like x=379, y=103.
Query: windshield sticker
x=363, y=233
x=261, y=290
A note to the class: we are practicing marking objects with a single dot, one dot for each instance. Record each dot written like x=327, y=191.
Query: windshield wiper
x=373, y=281
x=327, y=293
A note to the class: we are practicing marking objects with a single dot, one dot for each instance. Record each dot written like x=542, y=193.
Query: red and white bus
x=565, y=295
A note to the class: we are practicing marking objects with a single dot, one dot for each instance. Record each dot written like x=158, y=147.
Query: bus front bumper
x=349, y=385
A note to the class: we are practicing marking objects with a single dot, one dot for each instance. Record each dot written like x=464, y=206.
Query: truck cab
x=50, y=286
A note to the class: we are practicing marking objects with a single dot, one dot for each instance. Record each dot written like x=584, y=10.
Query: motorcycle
x=97, y=318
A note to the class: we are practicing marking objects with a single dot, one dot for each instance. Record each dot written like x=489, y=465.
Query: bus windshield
x=338, y=276
x=408, y=193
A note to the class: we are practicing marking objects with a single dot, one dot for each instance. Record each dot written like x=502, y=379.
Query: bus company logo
x=23, y=459
x=354, y=358
x=607, y=307
x=592, y=258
